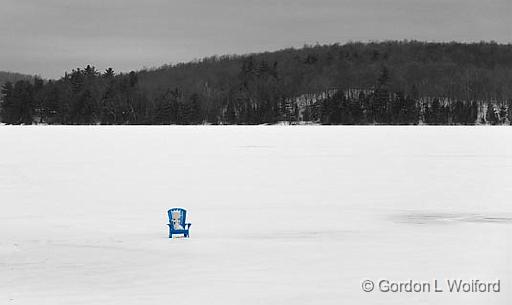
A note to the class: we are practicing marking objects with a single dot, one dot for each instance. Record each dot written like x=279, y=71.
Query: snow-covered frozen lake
x=280, y=214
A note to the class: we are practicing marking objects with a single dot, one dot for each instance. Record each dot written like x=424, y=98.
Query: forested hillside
x=366, y=83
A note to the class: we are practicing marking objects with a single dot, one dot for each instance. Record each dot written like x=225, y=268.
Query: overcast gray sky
x=52, y=36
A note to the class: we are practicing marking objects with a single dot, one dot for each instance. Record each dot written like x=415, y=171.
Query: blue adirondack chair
x=177, y=223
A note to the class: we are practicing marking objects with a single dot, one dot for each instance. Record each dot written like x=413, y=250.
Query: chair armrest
x=187, y=225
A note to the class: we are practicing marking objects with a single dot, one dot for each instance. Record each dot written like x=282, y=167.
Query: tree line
x=404, y=83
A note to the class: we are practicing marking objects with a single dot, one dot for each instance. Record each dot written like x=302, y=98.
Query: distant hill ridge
x=453, y=69
x=13, y=77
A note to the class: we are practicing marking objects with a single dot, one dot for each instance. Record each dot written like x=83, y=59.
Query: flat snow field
x=281, y=214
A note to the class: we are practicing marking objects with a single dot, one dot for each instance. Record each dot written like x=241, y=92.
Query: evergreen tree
x=491, y=116
x=7, y=109
x=503, y=114
x=230, y=114
x=18, y=103
x=109, y=73
x=195, y=114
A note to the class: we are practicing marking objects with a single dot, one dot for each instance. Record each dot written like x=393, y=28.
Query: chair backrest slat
x=183, y=215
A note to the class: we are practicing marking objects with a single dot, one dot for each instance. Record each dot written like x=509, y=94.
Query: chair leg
x=170, y=235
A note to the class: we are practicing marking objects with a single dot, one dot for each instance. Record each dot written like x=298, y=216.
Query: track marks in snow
x=433, y=218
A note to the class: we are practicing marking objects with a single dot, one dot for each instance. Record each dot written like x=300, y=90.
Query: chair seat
x=179, y=231
x=176, y=231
